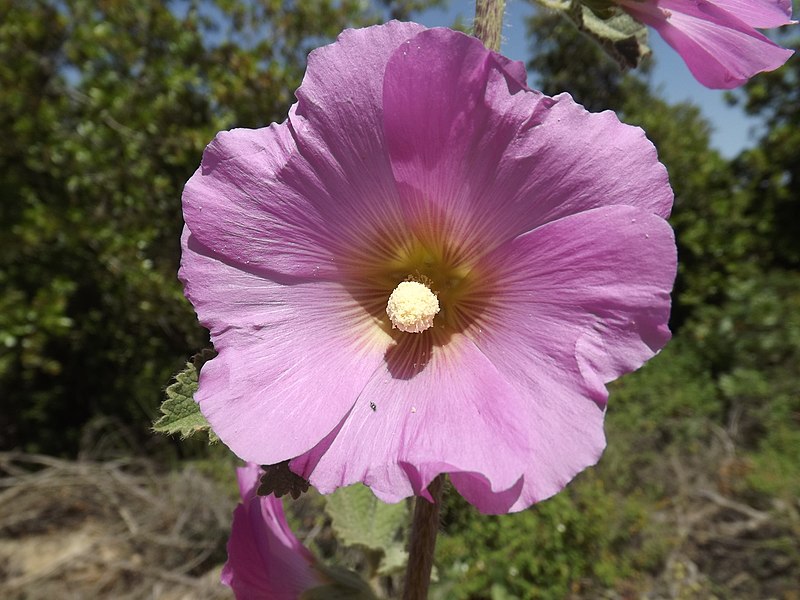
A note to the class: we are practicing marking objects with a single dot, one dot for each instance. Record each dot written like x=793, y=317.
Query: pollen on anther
x=412, y=307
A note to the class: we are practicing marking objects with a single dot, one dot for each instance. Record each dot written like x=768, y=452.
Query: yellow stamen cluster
x=412, y=306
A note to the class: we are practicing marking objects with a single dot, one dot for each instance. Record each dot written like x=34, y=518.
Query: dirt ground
x=113, y=529
x=125, y=529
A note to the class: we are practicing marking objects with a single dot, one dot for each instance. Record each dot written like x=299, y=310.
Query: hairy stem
x=488, y=24
x=424, y=528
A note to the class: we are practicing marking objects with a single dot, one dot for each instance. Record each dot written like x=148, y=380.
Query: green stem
x=424, y=528
x=488, y=25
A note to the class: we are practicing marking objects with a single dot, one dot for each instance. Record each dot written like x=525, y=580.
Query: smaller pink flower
x=265, y=559
x=717, y=38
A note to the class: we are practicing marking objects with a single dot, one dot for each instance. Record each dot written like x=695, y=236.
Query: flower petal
x=763, y=14
x=577, y=303
x=338, y=128
x=469, y=141
x=430, y=410
x=237, y=204
x=571, y=283
x=301, y=197
x=721, y=51
x=339, y=110
x=265, y=559
x=293, y=355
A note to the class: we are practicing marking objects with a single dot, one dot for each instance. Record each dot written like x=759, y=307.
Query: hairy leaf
x=394, y=559
x=623, y=38
x=180, y=413
x=360, y=518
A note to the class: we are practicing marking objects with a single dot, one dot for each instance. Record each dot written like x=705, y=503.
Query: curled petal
x=722, y=49
x=265, y=559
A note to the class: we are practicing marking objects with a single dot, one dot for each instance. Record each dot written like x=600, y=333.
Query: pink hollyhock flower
x=534, y=231
x=717, y=38
x=265, y=559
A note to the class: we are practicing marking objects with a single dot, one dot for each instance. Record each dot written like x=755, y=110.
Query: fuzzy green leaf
x=360, y=518
x=180, y=413
x=620, y=35
x=557, y=5
x=394, y=559
x=623, y=38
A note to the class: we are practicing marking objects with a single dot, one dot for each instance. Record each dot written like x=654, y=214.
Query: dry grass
x=124, y=528
x=109, y=529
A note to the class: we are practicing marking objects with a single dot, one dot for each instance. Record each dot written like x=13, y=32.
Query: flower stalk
x=488, y=25
x=424, y=529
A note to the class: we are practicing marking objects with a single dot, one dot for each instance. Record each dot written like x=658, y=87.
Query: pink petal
x=293, y=355
x=429, y=410
x=265, y=559
x=468, y=141
x=476, y=490
x=338, y=127
x=579, y=302
x=720, y=50
x=763, y=14
x=339, y=109
x=236, y=204
x=301, y=197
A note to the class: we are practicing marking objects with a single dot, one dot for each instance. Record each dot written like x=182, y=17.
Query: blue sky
x=732, y=129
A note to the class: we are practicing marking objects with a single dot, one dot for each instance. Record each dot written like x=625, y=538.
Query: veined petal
x=337, y=125
x=569, y=282
x=721, y=51
x=339, y=110
x=293, y=355
x=762, y=14
x=472, y=146
x=237, y=204
x=430, y=409
x=578, y=302
x=305, y=197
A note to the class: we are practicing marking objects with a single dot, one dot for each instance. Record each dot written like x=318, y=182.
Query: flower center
x=412, y=306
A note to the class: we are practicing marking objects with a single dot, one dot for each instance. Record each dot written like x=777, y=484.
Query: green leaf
x=360, y=518
x=622, y=37
x=602, y=8
x=394, y=559
x=180, y=413
x=562, y=5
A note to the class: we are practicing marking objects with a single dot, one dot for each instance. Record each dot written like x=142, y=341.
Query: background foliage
x=105, y=107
